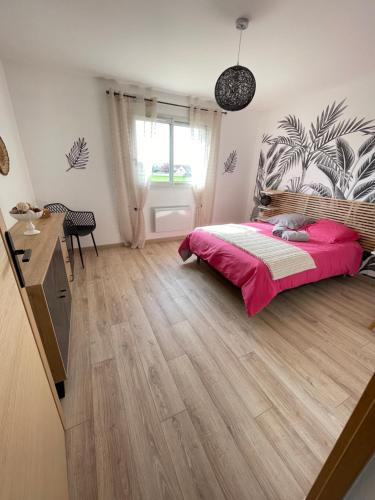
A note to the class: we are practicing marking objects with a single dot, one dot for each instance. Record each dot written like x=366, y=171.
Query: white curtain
x=205, y=137
x=133, y=142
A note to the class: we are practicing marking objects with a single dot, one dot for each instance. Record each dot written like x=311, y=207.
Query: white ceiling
x=183, y=46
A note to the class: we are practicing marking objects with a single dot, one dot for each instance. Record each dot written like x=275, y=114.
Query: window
x=171, y=153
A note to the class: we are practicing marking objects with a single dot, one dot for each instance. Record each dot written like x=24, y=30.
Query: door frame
x=351, y=452
x=34, y=328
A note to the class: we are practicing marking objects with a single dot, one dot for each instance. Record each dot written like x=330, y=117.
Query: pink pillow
x=330, y=231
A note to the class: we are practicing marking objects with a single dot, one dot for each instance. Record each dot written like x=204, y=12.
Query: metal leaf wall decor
x=78, y=156
x=231, y=162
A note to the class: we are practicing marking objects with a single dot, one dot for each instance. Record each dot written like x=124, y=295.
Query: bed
x=253, y=276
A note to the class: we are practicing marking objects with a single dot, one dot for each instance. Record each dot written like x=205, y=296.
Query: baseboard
x=166, y=238
x=107, y=245
x=117, y=245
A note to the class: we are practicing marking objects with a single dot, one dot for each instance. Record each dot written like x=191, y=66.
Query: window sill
x=170, y=185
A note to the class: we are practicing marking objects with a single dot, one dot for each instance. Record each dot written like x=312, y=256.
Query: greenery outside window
x=171, y=154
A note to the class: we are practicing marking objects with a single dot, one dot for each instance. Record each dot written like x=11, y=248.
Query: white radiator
x=171, y=219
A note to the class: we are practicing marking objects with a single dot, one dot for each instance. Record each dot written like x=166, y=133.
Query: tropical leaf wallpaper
x=333, y=157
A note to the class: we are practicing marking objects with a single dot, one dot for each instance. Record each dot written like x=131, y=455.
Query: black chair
x=76, y=223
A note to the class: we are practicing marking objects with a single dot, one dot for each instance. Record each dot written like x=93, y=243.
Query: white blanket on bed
x=282, y=259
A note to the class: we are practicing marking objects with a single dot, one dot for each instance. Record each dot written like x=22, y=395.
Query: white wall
x=53, y=109
x=239, y=132
x=16, y=186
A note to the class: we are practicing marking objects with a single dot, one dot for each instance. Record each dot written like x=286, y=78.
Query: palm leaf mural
x=364, y=189
x=345, y=127
x=274, y=161
x=324, y=147
x=266, y=139
x=271, y=150
x=345, y=155
x=327, y=119
x=260, y=176
x=366, y=169
x=327, y=154
x=368, y=266
x=367, y=146
x=330, y=172
x=294, y=185
x=291, y=157
x=78, y=156
x=282, y=140
x=294, y=128
x=320, y=189
x=273, y=181
x=370, y=198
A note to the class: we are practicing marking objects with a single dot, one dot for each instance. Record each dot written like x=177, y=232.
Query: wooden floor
x=174, y=392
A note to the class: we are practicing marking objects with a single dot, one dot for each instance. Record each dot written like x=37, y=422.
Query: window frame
x=171, y=122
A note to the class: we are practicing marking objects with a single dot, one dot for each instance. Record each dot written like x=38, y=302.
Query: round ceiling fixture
x=235, y=87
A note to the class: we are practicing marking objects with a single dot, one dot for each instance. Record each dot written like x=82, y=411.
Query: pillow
x=295, y=236
x=330, y=231
x=291, y=221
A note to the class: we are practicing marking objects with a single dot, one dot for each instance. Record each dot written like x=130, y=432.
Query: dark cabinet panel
x=57, y=294
x=68, y=241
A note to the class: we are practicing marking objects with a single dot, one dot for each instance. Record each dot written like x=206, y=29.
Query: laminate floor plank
x=194, y=471
x=81, y=460
x=208, y=342
x=292, y=449
x=161, y=327
x=297, y=388
x=346, y=309
x=349, y=381
x=155, y=472
x=234, y=336
x=245, y=431
x=175, y=393
x=324, y=322
x=233, y=473
x=99, y=323
x=315, y=382
x=168, y=282
x=113, y=300
x=340, y=342
x=115, y=467
x=77, y=403
x=163, y=388
x=292, y=408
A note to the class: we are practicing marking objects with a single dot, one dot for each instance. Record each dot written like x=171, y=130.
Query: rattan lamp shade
x=235, y=88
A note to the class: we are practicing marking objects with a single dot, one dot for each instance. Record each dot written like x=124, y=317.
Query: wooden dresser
x=48, y=278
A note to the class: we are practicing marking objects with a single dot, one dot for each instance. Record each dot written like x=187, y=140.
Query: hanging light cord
x=239, y=49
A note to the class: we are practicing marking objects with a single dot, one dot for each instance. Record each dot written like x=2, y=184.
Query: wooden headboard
x=355, y=214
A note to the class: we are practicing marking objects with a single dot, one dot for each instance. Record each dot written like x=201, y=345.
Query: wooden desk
x=47, y=281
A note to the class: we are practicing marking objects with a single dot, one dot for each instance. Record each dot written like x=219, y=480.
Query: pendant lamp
x=235, y=87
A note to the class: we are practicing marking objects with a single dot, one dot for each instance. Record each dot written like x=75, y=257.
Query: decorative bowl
x=28, y=217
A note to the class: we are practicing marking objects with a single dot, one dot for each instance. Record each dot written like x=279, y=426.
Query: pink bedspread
x=253, y=276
